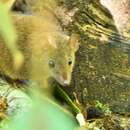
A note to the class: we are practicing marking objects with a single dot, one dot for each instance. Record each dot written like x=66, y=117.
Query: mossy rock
x=102, y=70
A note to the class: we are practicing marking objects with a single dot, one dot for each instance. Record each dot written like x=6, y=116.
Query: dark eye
x=51, y=63
x=70, y=62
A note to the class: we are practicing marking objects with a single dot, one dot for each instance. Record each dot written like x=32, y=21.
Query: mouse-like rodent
x=47, y=51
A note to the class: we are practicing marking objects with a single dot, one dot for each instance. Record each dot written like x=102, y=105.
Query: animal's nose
x=65, y=79
x=66, y=82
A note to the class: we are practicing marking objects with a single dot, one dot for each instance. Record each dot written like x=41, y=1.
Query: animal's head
x=61, y=61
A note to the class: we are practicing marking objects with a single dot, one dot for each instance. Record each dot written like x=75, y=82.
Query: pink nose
x=65, y=79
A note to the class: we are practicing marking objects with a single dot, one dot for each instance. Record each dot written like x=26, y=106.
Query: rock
x=99, y=60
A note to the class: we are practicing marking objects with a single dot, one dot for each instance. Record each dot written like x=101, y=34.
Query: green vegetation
x=104, y=108
x=8, y=32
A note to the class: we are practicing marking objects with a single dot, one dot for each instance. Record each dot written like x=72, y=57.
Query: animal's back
x=32, y=34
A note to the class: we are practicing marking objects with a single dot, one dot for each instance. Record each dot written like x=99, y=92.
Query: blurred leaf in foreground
x=8, y=33
x=13, y=103
x=44, y=115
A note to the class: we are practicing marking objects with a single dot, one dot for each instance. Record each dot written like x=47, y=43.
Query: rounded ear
x=51, y=41
x=74, y=41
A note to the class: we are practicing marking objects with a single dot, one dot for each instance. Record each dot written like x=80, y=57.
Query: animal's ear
x=51, y=41
x=74, y=41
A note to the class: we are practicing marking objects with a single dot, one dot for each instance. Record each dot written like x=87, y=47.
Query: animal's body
x=47, y=51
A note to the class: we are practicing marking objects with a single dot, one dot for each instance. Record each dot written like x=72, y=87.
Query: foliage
x=44, y=114
x=8, y=33
x=104, y=107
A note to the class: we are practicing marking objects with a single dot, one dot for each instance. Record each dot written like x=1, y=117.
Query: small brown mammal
x=47, y=51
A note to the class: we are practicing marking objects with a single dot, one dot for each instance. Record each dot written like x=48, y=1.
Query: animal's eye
x=51, y=63
x=69, y=62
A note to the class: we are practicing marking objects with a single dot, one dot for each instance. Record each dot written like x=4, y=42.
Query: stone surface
x=102, y=70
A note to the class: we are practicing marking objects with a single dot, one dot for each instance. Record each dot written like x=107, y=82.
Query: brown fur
x=41, y=42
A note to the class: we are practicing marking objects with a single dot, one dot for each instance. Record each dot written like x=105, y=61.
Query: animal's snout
x=65, y=79
x=65, y=82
